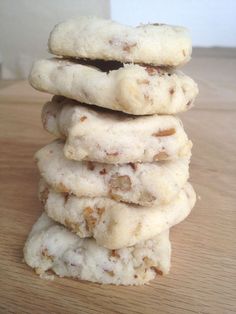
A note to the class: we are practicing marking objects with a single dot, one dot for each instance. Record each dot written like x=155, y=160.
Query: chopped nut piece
x=148, y=261
x=112, y=153
x=75, y=227
x=115, y=197
x=134, y=165
x=157, y=271
x=103, y=171
x=66, y=196
x=146, y=196
x=83, y=118
x=46, y=255
x=151, y=71
x=160, y=156
x=62, y=188
x=89, y=219
x=90, y=165
x=110, y=272
x=128, y=46
x=38, y=270
x=172, y=90
x=122, y=183
x=184, y=53
x=114, y=253
x=166, y=132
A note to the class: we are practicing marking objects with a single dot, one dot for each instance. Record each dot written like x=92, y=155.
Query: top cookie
x=95, y=38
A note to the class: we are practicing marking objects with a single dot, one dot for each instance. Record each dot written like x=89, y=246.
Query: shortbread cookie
x=132, y=89
x=95, y=38
x=139, y=183
x=114, y=224
x=102, y=136
x=52, y=247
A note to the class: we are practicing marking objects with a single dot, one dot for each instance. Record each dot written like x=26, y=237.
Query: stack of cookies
x=115, y=180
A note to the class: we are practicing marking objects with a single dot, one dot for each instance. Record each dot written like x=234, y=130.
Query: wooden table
x=203, y=273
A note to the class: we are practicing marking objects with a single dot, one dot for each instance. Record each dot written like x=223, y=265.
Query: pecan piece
x=38, y=270
x=134, y=165
x=148, y=261
x=157, y=271
x=62, y=188
x=171, y=90
x=160, y=156
x=83, y=118
x=166, y=132
x=46, y=255
x=75, y=227
x=128, y=46
x=151, y=70
x=66, y=196
x=146, y=197
x=114, y=253
x=90, y=165
x=89, y=219
x=112, y=153
x=103, y=171
x=122, y=183
x=110, y=272
x=116, y=197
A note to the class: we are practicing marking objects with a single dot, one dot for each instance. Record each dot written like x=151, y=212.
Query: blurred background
x=25, y=24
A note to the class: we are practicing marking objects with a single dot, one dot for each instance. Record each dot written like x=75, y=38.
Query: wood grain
x=203, y=274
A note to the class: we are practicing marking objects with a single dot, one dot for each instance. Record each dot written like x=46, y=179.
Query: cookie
x=51, y=247
x=96, y=38
x=114, y=224
x=131, y=88
x=139, y=183
x=102, y=136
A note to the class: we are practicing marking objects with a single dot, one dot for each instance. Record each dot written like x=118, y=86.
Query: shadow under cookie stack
x=115, y=180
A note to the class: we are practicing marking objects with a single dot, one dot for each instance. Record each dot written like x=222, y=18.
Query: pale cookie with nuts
x=51, y=247
x=115, y=224
x=96, y=38
x=139, y=183
x=100, y=135
x=131, y=88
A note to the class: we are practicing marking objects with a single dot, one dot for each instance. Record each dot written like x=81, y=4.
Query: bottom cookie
x=51, y=246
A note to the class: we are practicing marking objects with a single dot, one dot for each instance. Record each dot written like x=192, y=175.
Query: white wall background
x=212, y=22
x=25, y=27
